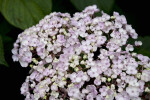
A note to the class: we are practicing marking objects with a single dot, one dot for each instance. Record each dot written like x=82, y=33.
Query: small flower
x=133, y=91
x=145, y=75
x=138, y=43
x=49, y=59
x=129, y=48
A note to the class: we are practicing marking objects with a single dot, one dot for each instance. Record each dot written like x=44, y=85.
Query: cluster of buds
x=82, y=58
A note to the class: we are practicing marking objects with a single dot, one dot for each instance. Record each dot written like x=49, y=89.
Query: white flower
x=129, y=47
x=49, y=59
x=73, y=92
x=78, y=79
x=133, y=91
x=93, y=72
x=54, y=87
x=145, y=75
x=138, y=43
x=131, y=70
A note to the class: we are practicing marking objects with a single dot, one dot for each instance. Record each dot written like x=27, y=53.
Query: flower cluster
x=82, y=58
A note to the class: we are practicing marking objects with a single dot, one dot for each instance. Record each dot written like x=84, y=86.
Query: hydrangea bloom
x=82, y=58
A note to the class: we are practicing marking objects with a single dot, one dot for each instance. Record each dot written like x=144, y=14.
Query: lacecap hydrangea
x=82, y=58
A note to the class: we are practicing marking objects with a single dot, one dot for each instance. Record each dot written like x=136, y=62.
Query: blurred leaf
x=25, y=13
x=145, y=48
x=105, y=5
x=67, y=6
x=116, y=8
x=4, y=29
x=45, y=5
x=2, y=58
x=0, y=4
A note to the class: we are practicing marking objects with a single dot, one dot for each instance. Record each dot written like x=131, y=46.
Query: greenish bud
x=31, y=65
x=108, y=79
x=84, y=56
x=76, y=69
x=112, y=17
x=138, y=75
x=54, y=37
x=63, y=79
x=31, y=48
x=44, y=97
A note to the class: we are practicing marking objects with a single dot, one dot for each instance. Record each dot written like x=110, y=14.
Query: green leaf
x=0, y=4
x=145, y=48
x=2, y=58
x=45, y=5
x=105, y=5
x=25, y=13
x=5, y=27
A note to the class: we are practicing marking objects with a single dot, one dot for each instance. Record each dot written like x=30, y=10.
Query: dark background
x=12, y=77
